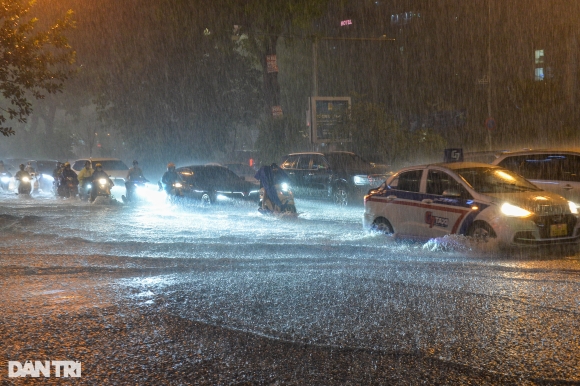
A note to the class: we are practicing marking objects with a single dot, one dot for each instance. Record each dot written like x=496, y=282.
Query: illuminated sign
x=345, y=22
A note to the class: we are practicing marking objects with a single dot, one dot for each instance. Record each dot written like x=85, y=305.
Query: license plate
x=557, y=230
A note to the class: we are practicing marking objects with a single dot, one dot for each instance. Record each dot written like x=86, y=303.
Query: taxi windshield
x=495, y=180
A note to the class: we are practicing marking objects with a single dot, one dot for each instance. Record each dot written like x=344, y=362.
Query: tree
x=380, y=137
x=33, y=61
x=265, y=21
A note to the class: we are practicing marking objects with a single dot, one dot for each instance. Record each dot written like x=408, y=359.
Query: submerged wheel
x=340, y=196
x=481, y=231
x=382, y=225
x=290, y=209
x=206, y=199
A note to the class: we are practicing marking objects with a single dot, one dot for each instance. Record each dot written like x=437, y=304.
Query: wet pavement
x=218, y=296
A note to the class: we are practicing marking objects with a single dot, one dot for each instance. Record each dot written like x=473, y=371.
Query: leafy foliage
x=33, y=61
x=380, y=137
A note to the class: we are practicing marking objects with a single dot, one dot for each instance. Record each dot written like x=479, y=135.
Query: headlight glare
x=514, y=211
x=284, y=187
x=573, y=207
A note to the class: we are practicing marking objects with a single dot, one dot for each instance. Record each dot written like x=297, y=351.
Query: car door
x=444, y=205
x=403, y=204
x=302, y=171
x=289, y=166
x=318, y=173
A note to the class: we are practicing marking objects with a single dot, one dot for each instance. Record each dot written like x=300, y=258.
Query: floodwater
x=318, y=280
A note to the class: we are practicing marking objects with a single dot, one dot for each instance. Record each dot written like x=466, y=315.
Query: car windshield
x=113, y=165
x=241, y=169
x=348, y=160
x=494, y=180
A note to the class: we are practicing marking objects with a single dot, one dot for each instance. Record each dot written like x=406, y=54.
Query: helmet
x=170, y=165
x=98, y=165
x=21, y=166
x=67, y=164
x=135, y=162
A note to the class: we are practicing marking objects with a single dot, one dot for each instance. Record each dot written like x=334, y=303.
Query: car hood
x=361, y=171
x=539, y=202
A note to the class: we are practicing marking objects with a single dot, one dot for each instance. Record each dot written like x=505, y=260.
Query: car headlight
x=5, y=179
x=514, y=211
x=573, y=207
x=284, y=186
x=360, y=180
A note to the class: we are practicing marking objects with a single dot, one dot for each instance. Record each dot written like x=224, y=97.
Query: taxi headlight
x=514, y=211
x=573, y=207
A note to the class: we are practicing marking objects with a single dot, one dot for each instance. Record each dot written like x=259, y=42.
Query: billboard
x=327, y=116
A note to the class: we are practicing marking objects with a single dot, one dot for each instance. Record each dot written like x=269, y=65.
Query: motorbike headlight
x=5, y=179
x=573, y=207
x=360, y=180
x=177, y=185
x=25, y=179
x=514, y=211
x=102, y=181
x=89, y=186
x=284, y=187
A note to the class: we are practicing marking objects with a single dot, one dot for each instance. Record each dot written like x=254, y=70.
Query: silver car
x=552, y=170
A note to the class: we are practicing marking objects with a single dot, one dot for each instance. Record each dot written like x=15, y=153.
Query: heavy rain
x=188, y=285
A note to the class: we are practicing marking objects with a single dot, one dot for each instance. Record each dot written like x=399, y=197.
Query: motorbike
x=85, y=190
x=285, y=196
x=275, y=193
x=102, y=188
x=68, y=188
x=5, y=180
x=25, y=185
x=175, y=190
x=132, y=187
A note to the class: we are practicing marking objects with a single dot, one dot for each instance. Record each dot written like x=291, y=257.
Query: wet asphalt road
x=200, y=302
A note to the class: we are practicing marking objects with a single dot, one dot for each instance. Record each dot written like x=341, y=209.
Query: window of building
x=539, y=73
x=539, y=54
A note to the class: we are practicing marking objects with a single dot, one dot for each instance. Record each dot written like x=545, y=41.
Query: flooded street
x=183, y=294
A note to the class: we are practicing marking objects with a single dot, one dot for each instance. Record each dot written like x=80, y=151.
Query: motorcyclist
x=20, y=174
x=56, y=175
x=134, y=175
x=98, y=174
x=85, y=177
x=29, y=168
x=65, y=175
x=169, y=178
x=2, y=168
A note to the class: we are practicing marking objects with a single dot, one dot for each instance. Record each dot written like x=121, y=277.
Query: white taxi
x=472, y=199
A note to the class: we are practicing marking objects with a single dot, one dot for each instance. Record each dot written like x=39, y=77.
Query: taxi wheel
x=382, y=225
x=481, y=231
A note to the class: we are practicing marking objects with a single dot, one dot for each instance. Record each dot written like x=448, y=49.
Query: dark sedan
x=211, y=183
